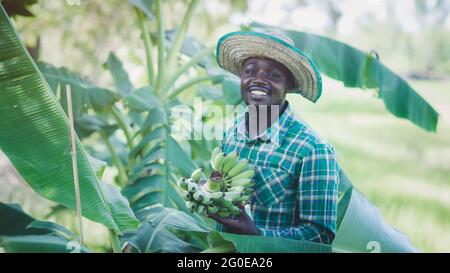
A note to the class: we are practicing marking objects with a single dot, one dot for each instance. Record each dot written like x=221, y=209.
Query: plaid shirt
x=296, y=179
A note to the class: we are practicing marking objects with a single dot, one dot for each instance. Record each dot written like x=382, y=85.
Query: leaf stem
x=117, y=115
x=194, y=60
x=115, y=242
x=190, y=83
x=147, y=45
x=181, y=34
x=161, y=43
x=122, y=176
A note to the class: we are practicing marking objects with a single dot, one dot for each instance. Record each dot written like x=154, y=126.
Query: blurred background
x=402, y=169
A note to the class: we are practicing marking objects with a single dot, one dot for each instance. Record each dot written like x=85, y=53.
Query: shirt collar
x=275, y=133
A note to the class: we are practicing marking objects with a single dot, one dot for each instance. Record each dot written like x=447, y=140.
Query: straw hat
x=235, y=47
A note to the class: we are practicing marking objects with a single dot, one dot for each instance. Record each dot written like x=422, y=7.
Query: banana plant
x=134, y=124
x=35, y=137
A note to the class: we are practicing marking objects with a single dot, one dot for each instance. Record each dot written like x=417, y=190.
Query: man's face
x=264, y=81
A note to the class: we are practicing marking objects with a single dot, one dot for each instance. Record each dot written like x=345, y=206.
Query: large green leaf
x=153, y=235
x=85, y=95
x=179, y=158
x=14, y=221
x=35, y=137
x=363, y=229
x=142, y=99
x=86, y=125
x=260, y=244
x=20, y=232
x=195, y=233
x=355, y=68
x=120, y=76
x=40, y=244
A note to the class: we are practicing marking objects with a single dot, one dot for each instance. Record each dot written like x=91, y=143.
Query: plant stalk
x=181, y=35
x=194, y=60
x=115, y=242
x=74, y=163
x=147, y=46
x=190, y=83
x=161, y=43
x=123, y=178
x=122, y=124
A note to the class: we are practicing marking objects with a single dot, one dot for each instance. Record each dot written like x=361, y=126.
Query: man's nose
x=260, y=78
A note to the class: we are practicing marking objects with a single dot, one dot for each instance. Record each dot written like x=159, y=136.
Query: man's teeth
x=258, y=92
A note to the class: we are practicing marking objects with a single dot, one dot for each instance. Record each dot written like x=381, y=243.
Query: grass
x=401, y=168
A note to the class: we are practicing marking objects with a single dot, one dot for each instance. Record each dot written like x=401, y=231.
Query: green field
x=402, y=169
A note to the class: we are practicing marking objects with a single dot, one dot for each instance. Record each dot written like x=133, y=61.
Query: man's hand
x=243, y=225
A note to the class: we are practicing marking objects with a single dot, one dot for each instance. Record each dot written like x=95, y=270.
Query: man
x=296, y=178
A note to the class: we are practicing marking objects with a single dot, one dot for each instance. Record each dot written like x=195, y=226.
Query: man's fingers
x=223, y=221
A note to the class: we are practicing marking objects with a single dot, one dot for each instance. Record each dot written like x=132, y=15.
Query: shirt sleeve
x=317, y=195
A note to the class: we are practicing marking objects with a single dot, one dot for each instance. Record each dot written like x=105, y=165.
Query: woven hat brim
x=234, y=48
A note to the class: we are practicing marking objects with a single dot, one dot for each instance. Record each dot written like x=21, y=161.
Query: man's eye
x=248, y=71
x=274, y=75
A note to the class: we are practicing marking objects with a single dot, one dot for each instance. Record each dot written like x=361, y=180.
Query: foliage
x=134, y=125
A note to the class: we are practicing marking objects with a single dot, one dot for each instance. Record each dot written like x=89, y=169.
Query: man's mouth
x=259, y=92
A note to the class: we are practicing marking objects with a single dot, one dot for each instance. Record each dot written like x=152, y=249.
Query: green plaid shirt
x=296, y=179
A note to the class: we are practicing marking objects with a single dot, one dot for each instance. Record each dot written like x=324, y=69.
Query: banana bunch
x=229, y=185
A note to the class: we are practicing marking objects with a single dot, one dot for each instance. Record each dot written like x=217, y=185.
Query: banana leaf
x=34, y=135
x=145, y=6
x=120, y=76
x=363, y=229
x=260, y=244
x=85, y=95
x=196, y=235
x=153, y=235
x=40, y=244
x=19, y=232
x=355, y=68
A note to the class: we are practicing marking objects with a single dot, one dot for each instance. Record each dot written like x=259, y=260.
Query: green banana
x=187, y=195
x=226, y=203
x=248, y=191
x=240, y=182
x=182, y=183
x=198, y=195
x=244, y=174
x=215, y=151
x=201, y=209
x=236, y=189
x=197, y=174
x=235, y=211
x=217, y=195
x=191, y=205
x=192, y=187
x=224, y=213
x=232, y=195
x=238, y=167
x=213, y=209
x=206, y=199
x=229, y=161
x=229, y=185
x=217, y=161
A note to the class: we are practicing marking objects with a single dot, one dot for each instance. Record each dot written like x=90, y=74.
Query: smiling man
x=296, y=178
